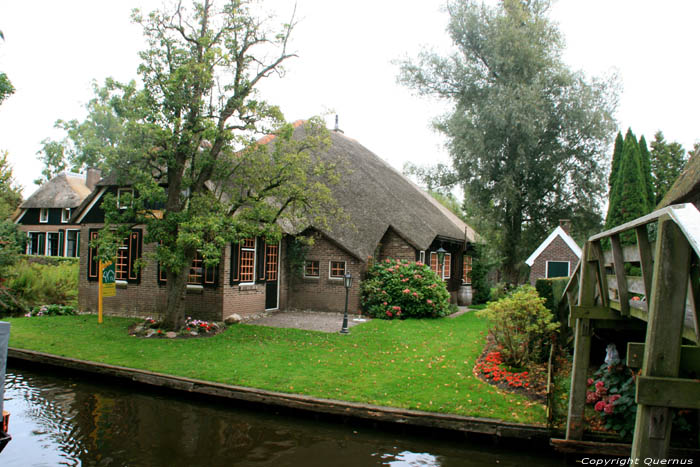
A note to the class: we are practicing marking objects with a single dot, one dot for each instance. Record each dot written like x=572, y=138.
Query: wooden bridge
x=670, y=285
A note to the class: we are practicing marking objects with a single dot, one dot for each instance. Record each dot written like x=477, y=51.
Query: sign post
x=107, y=285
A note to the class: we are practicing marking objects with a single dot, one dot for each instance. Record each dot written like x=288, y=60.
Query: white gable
x=558, y=232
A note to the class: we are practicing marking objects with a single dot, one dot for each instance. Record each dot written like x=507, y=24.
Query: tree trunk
x=175, y=306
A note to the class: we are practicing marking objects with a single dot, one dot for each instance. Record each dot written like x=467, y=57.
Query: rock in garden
x=233, y=319
x=150, y=332
x=171, y=335
x=194, y=333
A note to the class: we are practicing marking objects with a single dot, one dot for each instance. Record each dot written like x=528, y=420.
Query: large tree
x=526, y=134
x=187, y=142
x=667, y=162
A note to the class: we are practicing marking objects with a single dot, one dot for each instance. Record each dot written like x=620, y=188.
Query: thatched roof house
x=686, y=188
x=385, y=215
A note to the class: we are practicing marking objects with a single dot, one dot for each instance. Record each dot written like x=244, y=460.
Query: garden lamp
x=347, y=282
x=441, y=258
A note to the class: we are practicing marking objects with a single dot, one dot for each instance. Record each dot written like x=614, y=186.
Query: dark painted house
x=46, y=215
x=386, y=216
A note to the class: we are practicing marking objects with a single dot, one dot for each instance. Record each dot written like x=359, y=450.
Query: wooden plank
x=597, y=250
x=662, y=351
x=645, y=260
x=694, y=296
x=690, y=356
x=582, y=348
x=619, y=265
x=595, y=312
x=627, y=324
x=635, y=284
x=676, y=393
x=598, y=448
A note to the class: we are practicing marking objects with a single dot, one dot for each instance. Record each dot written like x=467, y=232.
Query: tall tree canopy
x=526, y=134
x=186, y=142
x=667, y=162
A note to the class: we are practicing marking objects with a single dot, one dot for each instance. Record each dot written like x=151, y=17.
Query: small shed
x=556, y=256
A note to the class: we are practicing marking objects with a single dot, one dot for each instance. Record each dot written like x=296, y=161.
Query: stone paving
x=309, y=320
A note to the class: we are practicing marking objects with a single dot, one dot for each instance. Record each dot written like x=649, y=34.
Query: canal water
x=61, y=419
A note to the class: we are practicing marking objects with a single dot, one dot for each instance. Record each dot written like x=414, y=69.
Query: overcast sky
x=53, y=50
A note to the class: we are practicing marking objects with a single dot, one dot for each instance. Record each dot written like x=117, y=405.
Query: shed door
x=271, y=277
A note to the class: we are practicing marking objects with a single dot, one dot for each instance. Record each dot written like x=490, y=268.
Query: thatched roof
x=375, y=197
x=686, y=188
x=63, y=191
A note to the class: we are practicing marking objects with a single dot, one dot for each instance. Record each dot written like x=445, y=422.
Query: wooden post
x=100, y=267
x=662, y=350
x=619, y=263
x=645, y=259
x=582, y=347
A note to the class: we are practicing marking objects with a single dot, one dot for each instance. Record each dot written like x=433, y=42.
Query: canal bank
x=367, y=412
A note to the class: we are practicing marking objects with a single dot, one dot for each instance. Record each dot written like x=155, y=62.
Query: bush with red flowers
x=404, y=289
x=611, y=393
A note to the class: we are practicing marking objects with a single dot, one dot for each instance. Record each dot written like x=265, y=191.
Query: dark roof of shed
x=687, y=185
x=63, y=191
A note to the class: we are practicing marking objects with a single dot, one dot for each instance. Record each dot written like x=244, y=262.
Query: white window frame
x=43, y=215
x=29, y=242
x=58, y=250
x=119, y=193
x=77, y=241
x=65, y=215
x=464, y=265
x=546, y=270
x=421, y=257
x=255, y=260
x=336, y=278
x=447, y=255
x=319, y=269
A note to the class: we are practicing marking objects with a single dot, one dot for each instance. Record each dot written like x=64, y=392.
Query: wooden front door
x=271, y=276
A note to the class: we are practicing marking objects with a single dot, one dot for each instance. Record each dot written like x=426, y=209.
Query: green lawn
x=416, y=364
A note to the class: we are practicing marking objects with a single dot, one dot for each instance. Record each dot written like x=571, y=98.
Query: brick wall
x=147, y=298
x=558, y=250
x=323, y=293
x=395, y=247
x=245, y=300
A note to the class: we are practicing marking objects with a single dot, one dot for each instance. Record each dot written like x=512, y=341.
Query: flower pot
x=464, y=295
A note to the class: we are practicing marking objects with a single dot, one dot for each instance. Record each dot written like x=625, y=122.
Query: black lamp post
x=441, y=258
x=347, y=282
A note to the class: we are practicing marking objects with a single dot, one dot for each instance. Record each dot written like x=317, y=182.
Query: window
x=65, y=215
x=336, y=269
x=271, y=263
x=52, y=244
x=127, y=255
x=446, y=264
x=421, y=257
x=311, y=269
x=247, y=260
x=127, y=201
x=43, y=215
x=557, y=269
x=35, y=243
x=198, y=275
x=72, y=243
x=467, y=270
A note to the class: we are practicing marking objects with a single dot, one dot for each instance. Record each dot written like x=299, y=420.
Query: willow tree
x=187, y=142
x=526, y=135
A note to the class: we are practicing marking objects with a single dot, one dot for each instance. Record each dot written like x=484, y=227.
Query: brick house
x=46, y=215
x=385, y=216
x=556, y=256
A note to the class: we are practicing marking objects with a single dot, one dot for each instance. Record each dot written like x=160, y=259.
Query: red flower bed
x=490, y=368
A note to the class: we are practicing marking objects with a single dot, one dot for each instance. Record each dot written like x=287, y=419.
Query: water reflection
x=63, y=420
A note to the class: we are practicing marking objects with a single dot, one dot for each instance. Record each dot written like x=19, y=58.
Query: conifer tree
x=615, y=165
x=646, y=172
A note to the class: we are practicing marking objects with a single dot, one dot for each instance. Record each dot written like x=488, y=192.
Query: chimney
x=93, y=176
x=337, y=128
x=566, y=225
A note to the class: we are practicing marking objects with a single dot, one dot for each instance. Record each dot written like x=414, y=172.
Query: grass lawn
x=414, y=364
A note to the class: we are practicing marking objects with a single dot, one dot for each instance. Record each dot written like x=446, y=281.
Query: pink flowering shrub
x=611, y=394
x=404, y=289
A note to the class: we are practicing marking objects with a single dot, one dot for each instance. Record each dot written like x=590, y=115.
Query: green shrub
x=521, y=326
x=482, y=262
x=404, y=289
x=551, y=290
x=36, y=284
x=611, y=394
x=53, y=310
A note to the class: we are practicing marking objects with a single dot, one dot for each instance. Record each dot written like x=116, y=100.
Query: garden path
x=309, y=320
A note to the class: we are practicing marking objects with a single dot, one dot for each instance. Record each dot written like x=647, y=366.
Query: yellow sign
x=109, y=284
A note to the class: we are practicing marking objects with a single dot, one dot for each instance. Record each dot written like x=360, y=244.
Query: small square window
x=336, y=269
x=123, y=203
x=43, y=215
x=65, y=215
x=312, y=269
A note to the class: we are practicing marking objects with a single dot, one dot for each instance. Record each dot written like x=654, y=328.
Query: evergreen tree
x=629, y=195
x=646, y=171
x=667, y=162
x=615, y=165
